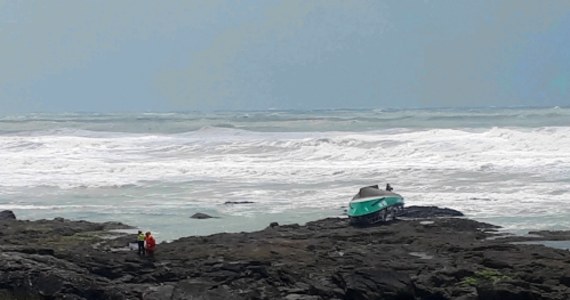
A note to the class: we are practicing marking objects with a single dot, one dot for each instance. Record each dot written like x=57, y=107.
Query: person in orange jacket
x=150, y=243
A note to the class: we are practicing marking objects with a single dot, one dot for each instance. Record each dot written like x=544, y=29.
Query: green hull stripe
x=358, y=209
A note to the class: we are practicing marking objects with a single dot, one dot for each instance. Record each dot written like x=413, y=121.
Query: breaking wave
x=287, y=163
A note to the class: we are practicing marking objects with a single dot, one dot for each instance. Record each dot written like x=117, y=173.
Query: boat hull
x=375, y=209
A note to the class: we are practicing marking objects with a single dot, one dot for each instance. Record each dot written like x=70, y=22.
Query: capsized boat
x=372, y=205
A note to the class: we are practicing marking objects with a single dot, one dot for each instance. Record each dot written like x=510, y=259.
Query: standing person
x=389, y=187
x=150, y=243
x=140, y=242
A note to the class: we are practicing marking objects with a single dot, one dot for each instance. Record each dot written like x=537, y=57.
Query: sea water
x=507, y=166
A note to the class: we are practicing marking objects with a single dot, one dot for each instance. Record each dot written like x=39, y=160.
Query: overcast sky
x=112, y=56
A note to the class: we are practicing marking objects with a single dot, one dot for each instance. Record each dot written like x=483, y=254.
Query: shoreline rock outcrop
x=443, y=258
x=7, y=215
x=202, y=216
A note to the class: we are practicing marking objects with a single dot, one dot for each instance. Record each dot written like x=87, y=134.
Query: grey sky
x=58, y=56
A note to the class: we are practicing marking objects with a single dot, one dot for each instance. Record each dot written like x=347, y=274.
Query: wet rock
x=161, y=292
x=447, y=258
x=423, y=212
x=48, y=284
x=506, y=292
x=491, y=261
x=195, y=289
x=65, y=230
x=378, y=284
x=565, y=279
x=201, y=216
x=238, y=202
x=7, y=215
x=273, y=224
x=552, y=235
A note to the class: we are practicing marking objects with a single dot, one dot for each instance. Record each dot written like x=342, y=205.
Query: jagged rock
x=162, y=292
x=201, y=216
x=423, y=212
x=7, y=215
x=193, y=289
x=565, y=280
x=324, y=259
x=378, y=284
x=65, y=230
x=506, y=292
x=48, y=284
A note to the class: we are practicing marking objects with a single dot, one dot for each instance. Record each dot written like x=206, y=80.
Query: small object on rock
x=201, y=216
x=133, y=246
x=273, y=224
x=7, y=215
x=238, y=202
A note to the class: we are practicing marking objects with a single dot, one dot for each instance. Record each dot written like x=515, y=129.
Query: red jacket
x=150, y=243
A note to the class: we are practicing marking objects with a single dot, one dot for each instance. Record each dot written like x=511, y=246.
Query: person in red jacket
x=150, y=243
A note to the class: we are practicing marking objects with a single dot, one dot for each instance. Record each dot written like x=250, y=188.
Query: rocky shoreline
x=430, y=254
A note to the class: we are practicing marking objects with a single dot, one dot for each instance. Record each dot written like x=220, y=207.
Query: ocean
x=506, y=166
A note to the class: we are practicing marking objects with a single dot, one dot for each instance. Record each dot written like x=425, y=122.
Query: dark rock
x=7, y=215
x=193, y=289
x=552, y=234
x=324, y=259
x=506, y=292
x=238, y=202
x=565, y=280
x=423, y=212
x=65, y=231
x=48, y=284
x=273, y=224
x=378, y=284
x=494, y=263
x=39, y=251
x=161, y=292
x=201, y=216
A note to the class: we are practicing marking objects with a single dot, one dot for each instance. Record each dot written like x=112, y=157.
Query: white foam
x=487, y=173
x=76, y=161
x=52, y=207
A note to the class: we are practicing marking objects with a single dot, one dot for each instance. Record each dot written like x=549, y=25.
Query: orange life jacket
x=150, y=243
